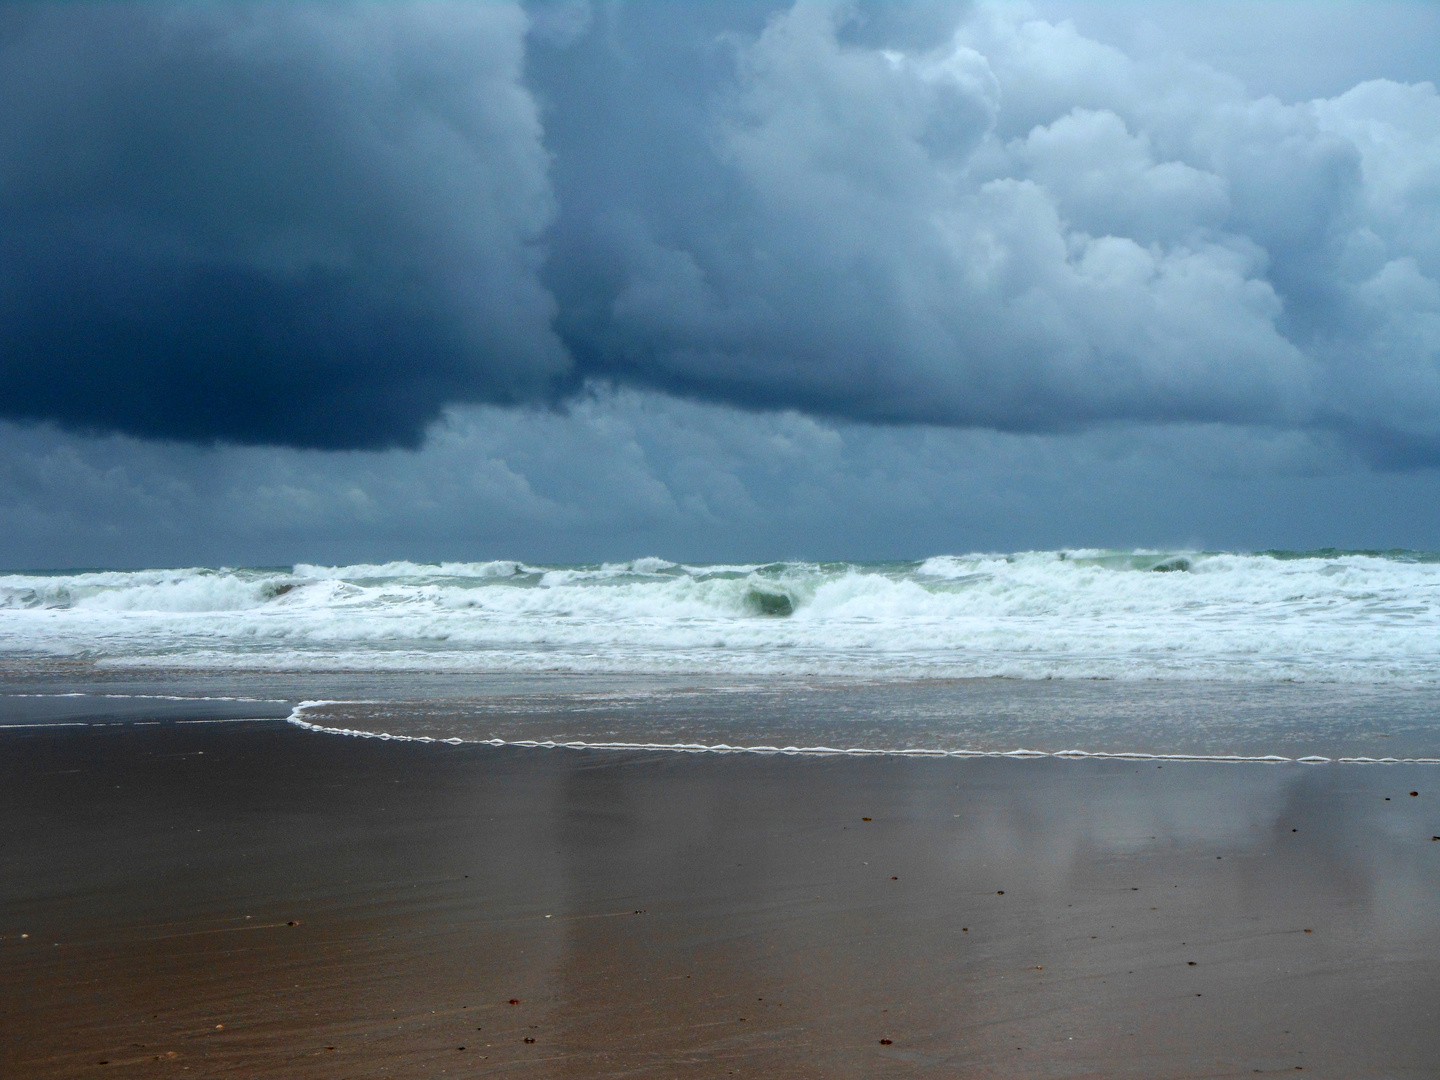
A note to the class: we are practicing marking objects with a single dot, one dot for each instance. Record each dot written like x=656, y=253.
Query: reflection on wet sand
x=562, y=913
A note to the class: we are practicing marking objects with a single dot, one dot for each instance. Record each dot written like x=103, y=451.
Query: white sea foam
x=499, y=568
x=1347, y=617
x=297, y=717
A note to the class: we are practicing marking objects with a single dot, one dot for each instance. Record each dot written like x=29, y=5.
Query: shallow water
x=1287, y=721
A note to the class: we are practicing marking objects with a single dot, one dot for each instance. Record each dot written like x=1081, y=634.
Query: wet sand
x=257, y=900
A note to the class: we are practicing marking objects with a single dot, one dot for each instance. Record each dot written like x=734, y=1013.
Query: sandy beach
x=253, y=899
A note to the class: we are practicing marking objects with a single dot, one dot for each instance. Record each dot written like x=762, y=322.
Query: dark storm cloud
x=303, y=224
x=318, y=224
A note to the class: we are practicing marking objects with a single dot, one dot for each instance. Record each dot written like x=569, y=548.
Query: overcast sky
x=736, y=280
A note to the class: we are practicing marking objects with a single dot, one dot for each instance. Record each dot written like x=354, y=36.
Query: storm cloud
x=269, y=223
x=630, y=472
x=318, y=225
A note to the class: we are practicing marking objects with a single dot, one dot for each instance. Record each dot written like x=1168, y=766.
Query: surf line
x=296, y=718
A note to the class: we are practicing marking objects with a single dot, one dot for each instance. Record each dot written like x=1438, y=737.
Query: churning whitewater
x=1354, y=617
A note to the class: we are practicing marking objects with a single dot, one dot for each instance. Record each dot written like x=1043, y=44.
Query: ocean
x=1280, y=656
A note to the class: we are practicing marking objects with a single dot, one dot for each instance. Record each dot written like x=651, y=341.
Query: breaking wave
x=1306, y=616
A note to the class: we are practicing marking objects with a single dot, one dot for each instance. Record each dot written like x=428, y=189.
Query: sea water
x=1278, y=655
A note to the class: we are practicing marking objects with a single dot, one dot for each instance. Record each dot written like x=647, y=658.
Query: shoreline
x=1141, y=721
x=639, y=906
x=1018, y=754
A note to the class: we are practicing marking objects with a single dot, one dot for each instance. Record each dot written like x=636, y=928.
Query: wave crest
x=1326, y=616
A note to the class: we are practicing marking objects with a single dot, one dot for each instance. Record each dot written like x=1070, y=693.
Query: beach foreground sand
x=256, y=900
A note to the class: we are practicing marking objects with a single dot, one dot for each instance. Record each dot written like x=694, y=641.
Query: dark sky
x=337, y=281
